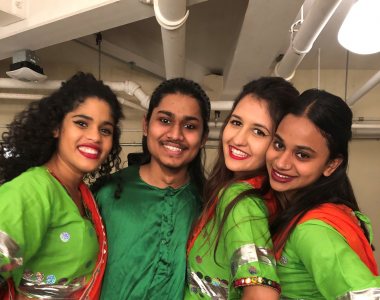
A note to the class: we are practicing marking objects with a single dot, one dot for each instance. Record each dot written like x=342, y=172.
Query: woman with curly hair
x=52, y=241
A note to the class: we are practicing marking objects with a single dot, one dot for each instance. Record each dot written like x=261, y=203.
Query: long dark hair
x=279, y=95
x=189, y=88
x=333, y=118
x=29, y=140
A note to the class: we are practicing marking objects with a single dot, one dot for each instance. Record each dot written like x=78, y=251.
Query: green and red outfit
x=47, y=249
x=244, y=256
x=327, y=256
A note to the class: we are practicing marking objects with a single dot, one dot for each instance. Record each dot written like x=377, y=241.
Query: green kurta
x=244, y=256
x=147, y=230
x=317, y=263
x=47, y=246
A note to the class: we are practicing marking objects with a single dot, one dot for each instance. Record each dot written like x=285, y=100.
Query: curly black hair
x=29, y=139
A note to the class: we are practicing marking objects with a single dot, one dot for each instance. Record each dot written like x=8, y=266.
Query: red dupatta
x=93, y=288
x=342, y=219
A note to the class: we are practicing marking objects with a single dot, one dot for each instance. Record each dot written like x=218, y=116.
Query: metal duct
x=370, y=84
x=172, y=15
x=316, y=19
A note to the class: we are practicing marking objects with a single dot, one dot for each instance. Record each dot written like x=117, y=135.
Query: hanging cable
x=346, y=79
x=319, y=68
x=99, y=44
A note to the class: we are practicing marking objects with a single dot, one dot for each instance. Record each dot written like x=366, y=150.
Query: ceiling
x=237, y=40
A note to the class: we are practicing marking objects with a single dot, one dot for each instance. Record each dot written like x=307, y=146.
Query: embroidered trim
x=204, y=285
x=10, y=257
x=251, y=253
x=370, y=293
x=257, y=280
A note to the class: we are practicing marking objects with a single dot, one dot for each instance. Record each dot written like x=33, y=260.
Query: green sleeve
x=335, y=267
x=247, y=240
x=25, y=214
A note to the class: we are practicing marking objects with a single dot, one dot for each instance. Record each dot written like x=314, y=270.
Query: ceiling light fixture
x=25, y=67
x=360, y=29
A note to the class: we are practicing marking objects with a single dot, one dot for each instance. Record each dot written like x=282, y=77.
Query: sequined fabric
x=368, y=294
x=38, y=286
x=215, y=288
x=243, y=256
x=10, y=257
x=251, y=253
x=59, y=247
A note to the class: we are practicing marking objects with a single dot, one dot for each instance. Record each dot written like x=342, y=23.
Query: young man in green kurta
x=148, y=209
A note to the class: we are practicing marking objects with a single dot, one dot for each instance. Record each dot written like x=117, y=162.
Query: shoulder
x=35, y=185
x=31, y=178
x=249, y=200
x=315, y=235
x=108, y=181
x=106, y=186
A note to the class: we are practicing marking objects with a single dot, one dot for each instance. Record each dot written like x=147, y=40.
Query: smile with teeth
x=237, y=154
x=173, y=148
x=281, y=177
x=89, y=152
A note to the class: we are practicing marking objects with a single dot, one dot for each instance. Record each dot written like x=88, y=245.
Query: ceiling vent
x=25, y=67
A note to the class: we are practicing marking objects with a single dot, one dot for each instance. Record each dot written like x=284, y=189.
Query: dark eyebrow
x=255, y=124
x=91, y=119
x=171, y=115
x=299, y=147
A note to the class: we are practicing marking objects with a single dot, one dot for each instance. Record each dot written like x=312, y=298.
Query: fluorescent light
x=360, y=31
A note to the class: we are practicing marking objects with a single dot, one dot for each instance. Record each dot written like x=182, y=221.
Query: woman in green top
x=230, y=253
x=52, y=241
x=322, y=241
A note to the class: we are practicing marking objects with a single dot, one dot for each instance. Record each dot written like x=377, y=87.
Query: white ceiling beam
x=258, y=43
x=12, y=11
x=125, y=55
x=52, y=22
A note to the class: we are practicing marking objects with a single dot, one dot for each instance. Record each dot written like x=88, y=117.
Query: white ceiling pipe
x=172, y=16
x=20, y=96
x=221, y=105
x=365, y=126
x=10, y=83
x=212, y=124
x=370, y=84
x=133, y=89
x=15, y=96
x=316, y=19
x=129, y=87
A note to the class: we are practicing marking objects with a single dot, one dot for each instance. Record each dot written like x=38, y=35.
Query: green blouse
x=147, y=230
x=46, y=246
x=244, y=255
x=317, y=263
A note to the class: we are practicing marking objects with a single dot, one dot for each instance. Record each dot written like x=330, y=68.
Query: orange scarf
x=342, y=219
